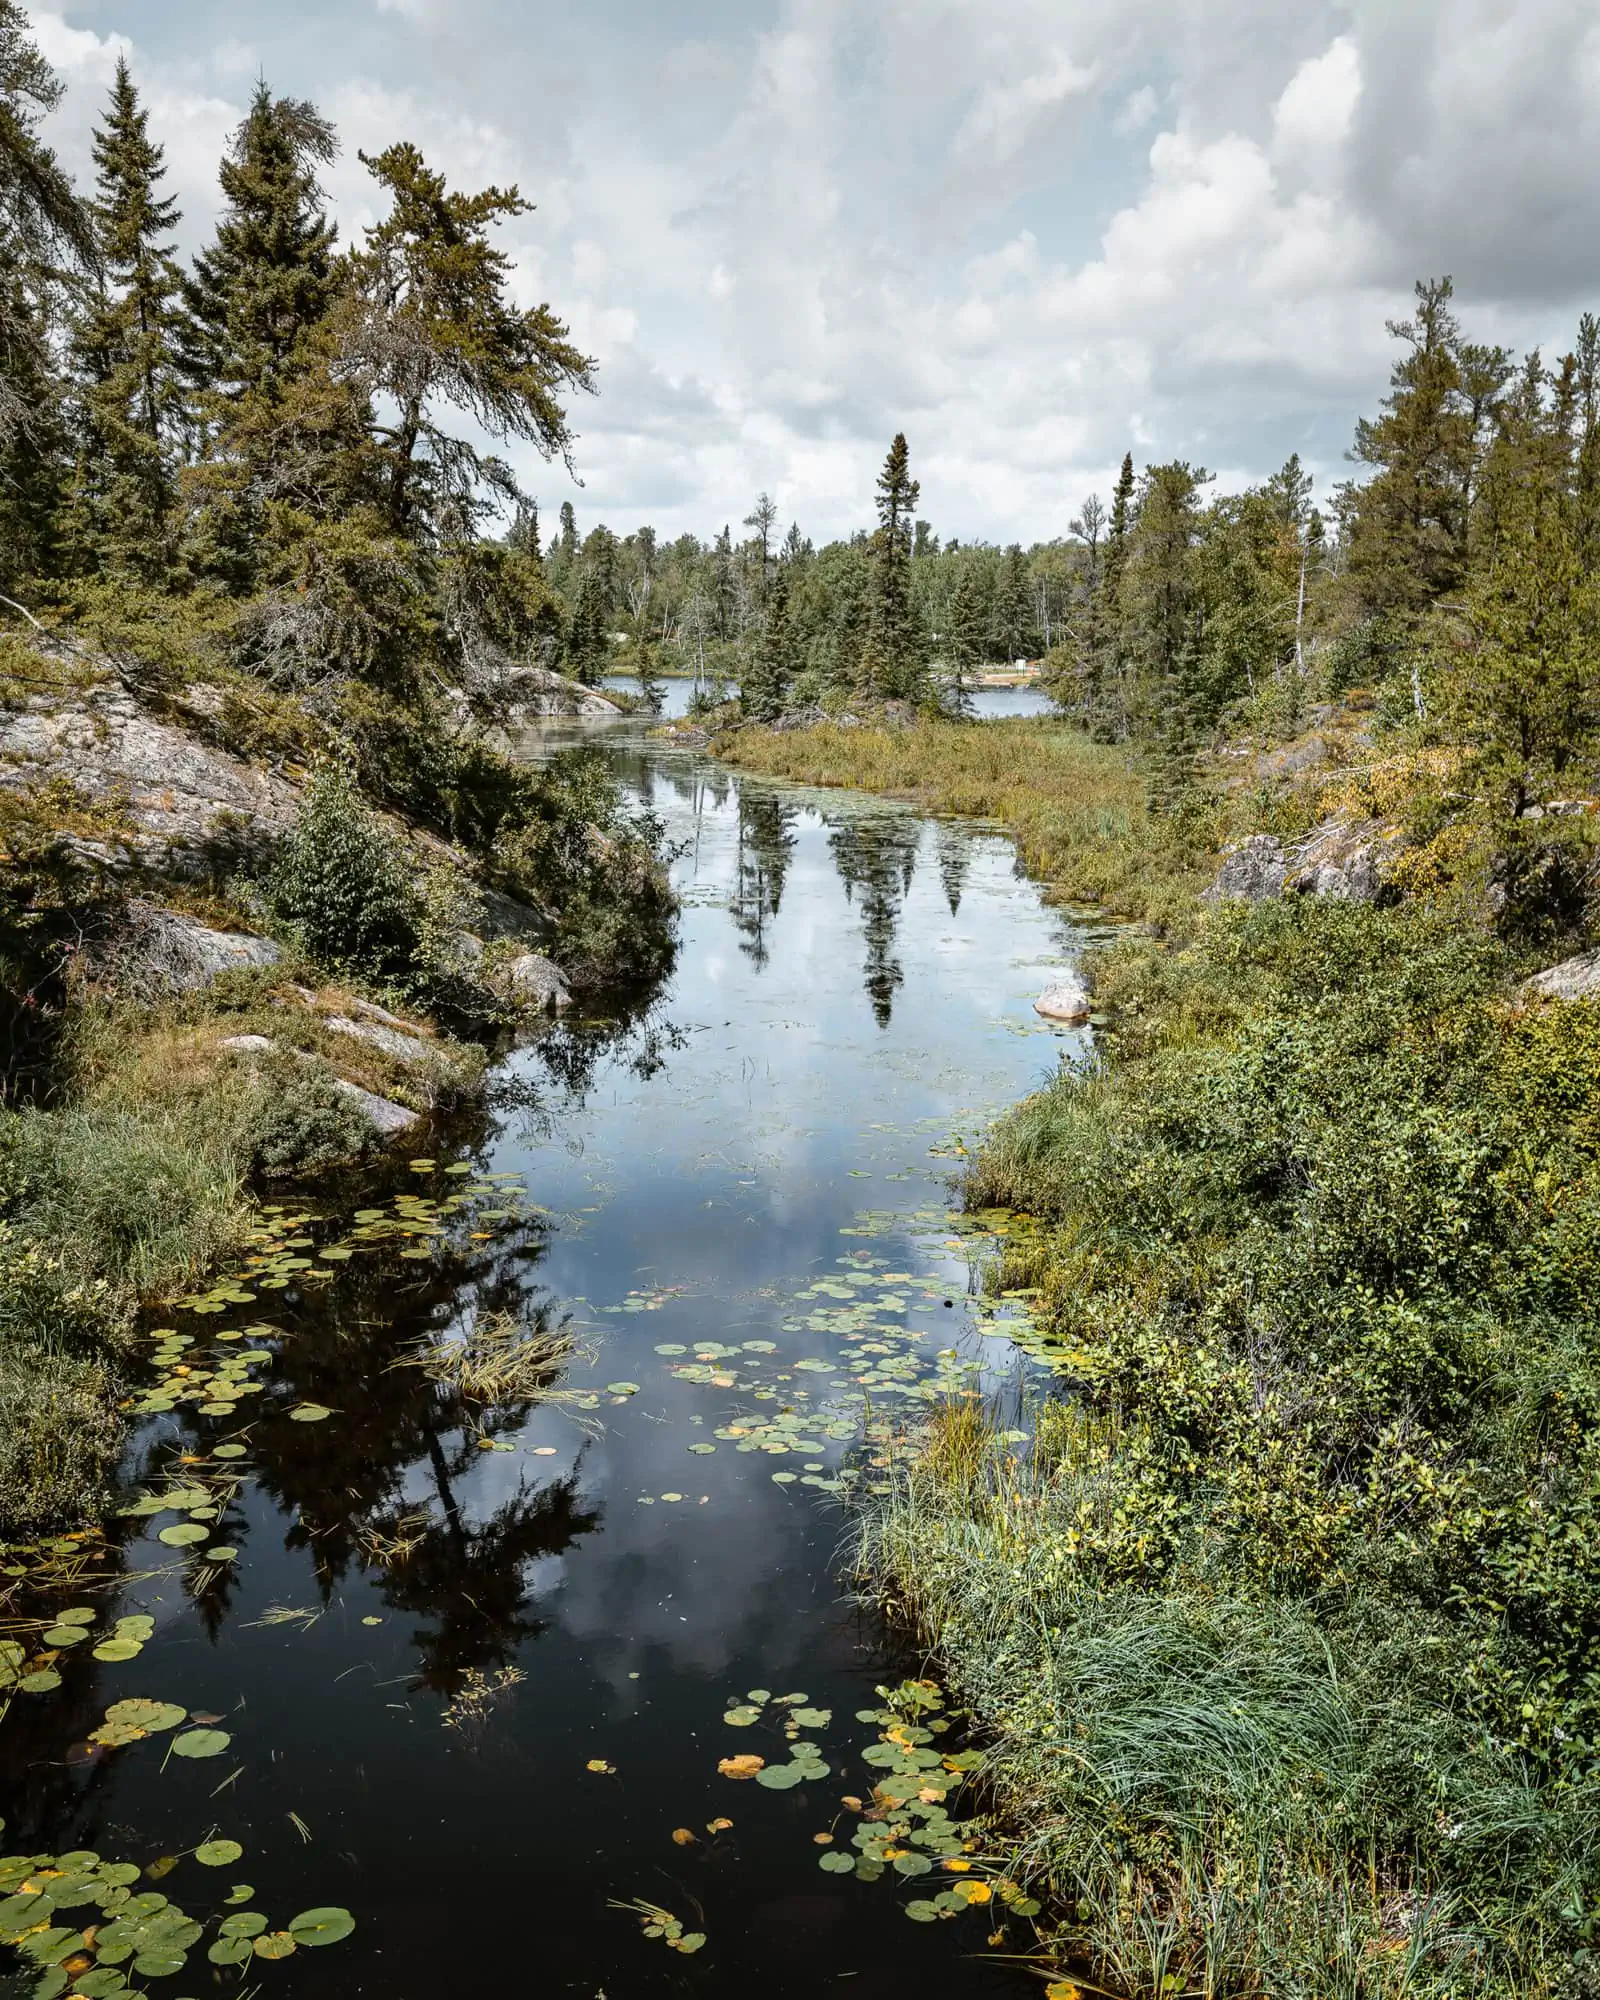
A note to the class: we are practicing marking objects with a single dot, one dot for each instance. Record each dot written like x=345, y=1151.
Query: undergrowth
x=1285, y=1633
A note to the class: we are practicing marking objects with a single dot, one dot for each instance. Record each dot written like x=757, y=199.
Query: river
x=481, y=1745
x=988, y=704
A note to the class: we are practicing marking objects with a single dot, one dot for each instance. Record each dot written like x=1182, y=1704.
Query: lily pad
x=62, y=1636
x=218, y=1853
x=275, y=1944
x=45, y=1681
x=182, y=1533
x=310, y=1413
x=742, y=1718
x=781, y=1777
x=321, y=1926
x=139, y=1712
x=201, y=1743
x=622, y=1388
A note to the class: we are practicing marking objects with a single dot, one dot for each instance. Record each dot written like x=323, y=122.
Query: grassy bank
x=1078, y=810
x=1283, y=1634
x=142, y=1175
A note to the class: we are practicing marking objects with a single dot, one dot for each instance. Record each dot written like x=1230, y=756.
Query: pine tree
x=1587, y=418
x=963, y=643
x=43, y=227
x=1015, y=605
x=126, y=352
x=270, y=276
x=770, y=674
x=436, y=327
x=893, y=664
x=1409, y=535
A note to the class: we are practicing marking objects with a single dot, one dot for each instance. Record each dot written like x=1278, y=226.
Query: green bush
x=297, y=1122
x=344, y=883
x=59, y=1437
x=1320, y=1247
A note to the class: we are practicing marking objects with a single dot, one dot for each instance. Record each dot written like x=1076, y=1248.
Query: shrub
x=343, y=882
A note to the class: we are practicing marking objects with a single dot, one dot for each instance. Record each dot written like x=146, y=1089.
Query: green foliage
x=1320, y=1249
x=297, y=1124
x=432, y=323
x=125, y=351
x=344, y=883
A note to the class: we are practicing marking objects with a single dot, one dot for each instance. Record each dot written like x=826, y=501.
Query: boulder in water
x=1068, y=1002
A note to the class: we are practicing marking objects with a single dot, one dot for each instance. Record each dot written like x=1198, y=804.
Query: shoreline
x=1189, y=1523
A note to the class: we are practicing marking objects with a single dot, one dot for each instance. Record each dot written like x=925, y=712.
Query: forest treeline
x=279, y=453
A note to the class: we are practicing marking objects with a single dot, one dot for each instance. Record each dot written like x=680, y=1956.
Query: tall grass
x=1077, y=809
x=1220, y=1797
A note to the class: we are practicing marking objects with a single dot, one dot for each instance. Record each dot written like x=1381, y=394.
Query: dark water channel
x=411, y=1738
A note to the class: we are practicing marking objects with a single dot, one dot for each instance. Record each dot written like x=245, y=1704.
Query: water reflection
x=766, y=840
x=699, y=1159
x=877, y=858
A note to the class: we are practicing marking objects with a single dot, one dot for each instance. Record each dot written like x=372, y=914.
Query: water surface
x=853, y=994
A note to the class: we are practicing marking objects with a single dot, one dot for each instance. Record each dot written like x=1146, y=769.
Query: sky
x=1031, y=234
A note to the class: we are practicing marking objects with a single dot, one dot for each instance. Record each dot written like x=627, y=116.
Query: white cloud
x=1318, y=105
x=1031, y=232
x=1138, y=111
x=1007, y=114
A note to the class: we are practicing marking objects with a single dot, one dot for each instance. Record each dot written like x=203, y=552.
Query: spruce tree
x=770, y=674
x=44, y=229
x=1586, y=475
x=270, y=276
x=963, y=643
x=1015, y=606
x=125, y=348
x=892, y=661
x=1408, y=541
x=435, y=327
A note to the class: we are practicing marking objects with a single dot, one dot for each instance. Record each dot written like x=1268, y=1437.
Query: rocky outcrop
x=1067, y=1001
x=536, y=982
x=1251, y=872
x=386, y=1117
x=389, y=1118
x=1573, y=979
x=156, y=951
x=1342, y=860
x=182, y=802
x=394, y=1041
x=534, y=694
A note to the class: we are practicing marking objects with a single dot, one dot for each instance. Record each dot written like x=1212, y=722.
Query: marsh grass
x=499, y=1359
x=1218, y=1797
x=1078, y=810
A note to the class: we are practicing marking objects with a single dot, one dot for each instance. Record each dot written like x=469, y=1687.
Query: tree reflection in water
x=876, y=855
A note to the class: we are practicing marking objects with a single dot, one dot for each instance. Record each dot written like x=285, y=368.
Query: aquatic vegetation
x=138, y=1932
x=659, y=1923
x=499, y=1359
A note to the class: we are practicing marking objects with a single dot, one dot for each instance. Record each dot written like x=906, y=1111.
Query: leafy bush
x=58, y=1436
x=343, y=882
x=1321, y=1246
x=297, y=1122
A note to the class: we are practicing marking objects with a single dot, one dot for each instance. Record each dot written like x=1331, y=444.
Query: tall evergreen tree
x=435, y=327
x=1408, y=541
x=126, y=351
x=770, y=674
x=44, y=231
x=893, y=662
x=963, y=642
x=1014, y=605
x=270, y=276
